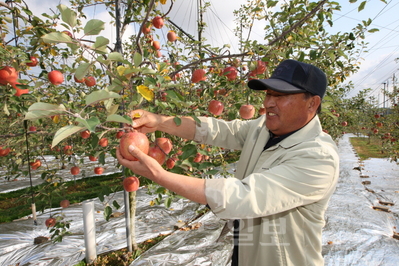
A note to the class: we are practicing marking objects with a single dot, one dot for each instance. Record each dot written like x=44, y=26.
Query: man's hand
x=145, y=166
x=145, y=122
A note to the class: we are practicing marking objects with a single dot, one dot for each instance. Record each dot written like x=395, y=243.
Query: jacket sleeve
x=225, y=134
x=301, y=177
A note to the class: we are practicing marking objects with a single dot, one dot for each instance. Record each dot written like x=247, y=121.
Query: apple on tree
x=92, y=158
x=79, y=80
x=98, y=170
x=158, y=22
x=55, y=77
x=19, y=91
x=103, y=142
x=344, y=123
x=4, y=151
x=8, y=75
x=156, y=153
x=50, y=222
x=170, y=163
x=215, y=107
x=90, y=81
x=198, y=75
x=131, y=183
x=164, y=144
x=171, y=36
x=230, y=72
x=75, y=170
x=33, y=61
x=64, y=203
x=247, y=111
x=85, y=134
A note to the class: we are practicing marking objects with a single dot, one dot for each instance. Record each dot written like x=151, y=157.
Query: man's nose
x=269, y=101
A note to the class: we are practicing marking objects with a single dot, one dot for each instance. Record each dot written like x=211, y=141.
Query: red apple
x=131, y=183
x=164, y=144
x=32, y=128
x=68, y=149
x=79, y=80
x=8, y=75
x=157, y=22
x=36, y=164
x=156, y=45
x=198, y=158
x=103, y=142
x=377, y=116
x=33, y=61
x=98, y=170
x=375, y=131
x=64, y=203
x=119, y=134
x=157, y=154
x=171, y=36
x=215, y=107
x=247, y=111
x=55, y=77
x=90, y=81
x=19, y=90
x=92, y=158
x=4, y=151
x=50, y=222
x=230, y=73
x=85, y=134
x=379, y=124
x=146, y=29
x=198, y=75
x=170, y=163
x=260, y=67
x=136, y=138
x=75, y=170
x=344, y=123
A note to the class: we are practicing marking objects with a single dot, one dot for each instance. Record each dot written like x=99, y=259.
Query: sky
x=377, y=66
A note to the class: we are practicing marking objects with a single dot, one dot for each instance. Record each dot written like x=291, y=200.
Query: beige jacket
x=280, y=195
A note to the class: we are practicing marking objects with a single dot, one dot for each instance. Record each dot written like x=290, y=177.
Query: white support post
x=89, y=227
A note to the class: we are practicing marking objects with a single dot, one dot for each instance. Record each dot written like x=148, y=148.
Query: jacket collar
x=308, y=132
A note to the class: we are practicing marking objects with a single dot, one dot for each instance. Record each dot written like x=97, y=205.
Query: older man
x=286, y=174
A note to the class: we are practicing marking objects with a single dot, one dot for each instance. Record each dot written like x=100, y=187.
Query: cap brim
x=273, y=84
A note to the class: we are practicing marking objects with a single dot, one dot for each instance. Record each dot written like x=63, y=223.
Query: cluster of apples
x=158, y=23
x=215, y=107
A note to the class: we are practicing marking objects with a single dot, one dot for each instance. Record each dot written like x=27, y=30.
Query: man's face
x=288, y=112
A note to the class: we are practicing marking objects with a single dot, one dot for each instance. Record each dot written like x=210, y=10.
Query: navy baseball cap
x=292, y=76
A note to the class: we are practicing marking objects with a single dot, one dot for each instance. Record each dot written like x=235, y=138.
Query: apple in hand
x=215, y=107
x=131, y=183
x=136, y=138
x=247, y=111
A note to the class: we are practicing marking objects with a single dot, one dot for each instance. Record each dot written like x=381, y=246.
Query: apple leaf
x=188, y=150
x=119, y=119
x=115, y=56
x=67, y=15
x=56, y=37
x=40, y=110
x=93, y=27
x=82, y=70
x=177, y=120
x=145, y=92
x=65, y=132
x=137, y=59
x=107, y=213
x=100, y=95
x=101, y=44
x=90, y=123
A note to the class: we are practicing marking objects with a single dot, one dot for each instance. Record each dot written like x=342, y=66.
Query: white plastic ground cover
x=355, y=232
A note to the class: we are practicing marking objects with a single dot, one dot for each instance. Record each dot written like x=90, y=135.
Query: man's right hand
x=144, y=121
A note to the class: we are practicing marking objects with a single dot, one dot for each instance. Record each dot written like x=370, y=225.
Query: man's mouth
x=271, y=114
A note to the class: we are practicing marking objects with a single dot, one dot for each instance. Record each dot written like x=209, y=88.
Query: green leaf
x=90, y=123
x=361, y=6
x=107, y=213
x=93, y=27
x=40, y=110
x=67, y=15
x=137, y=59
x=82, y=70
x=100, y=95
x=116, y=204
x=119, y=119
x=168, y=202
x=148, y=71
x=177, y=120
x=56, y=37
x=188, y=150
x=65, y=132
x=373, y=30
x=101, y=42
x=115, y=56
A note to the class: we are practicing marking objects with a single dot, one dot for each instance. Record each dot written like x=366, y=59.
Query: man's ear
x=314, y=103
